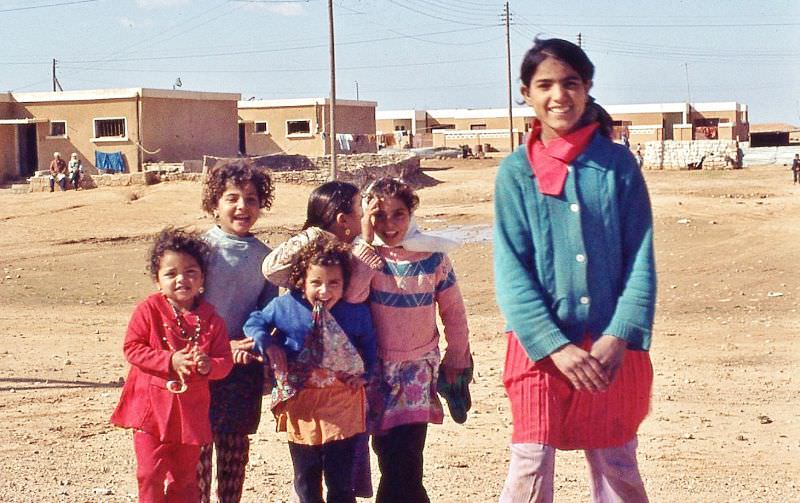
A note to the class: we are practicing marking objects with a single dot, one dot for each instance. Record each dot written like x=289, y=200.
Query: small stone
x=688, y=436
x=764, y=419
x=103, y=491
x=741, y=438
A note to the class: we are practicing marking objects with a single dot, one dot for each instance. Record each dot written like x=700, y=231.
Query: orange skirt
x=547, y=410
x=316, y=416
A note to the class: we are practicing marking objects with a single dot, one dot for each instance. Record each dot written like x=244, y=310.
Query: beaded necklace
x=179, y=386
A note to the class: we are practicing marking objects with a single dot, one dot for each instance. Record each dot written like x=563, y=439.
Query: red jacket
x=145, y=403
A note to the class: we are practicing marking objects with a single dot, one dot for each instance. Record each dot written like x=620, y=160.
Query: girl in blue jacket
x=575, y=280
x=322, y=349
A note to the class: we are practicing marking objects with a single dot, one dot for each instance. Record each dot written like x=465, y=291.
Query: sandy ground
x=725, y=420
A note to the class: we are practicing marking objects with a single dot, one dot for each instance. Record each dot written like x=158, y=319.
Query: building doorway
x=242, y=136
x=28, y=156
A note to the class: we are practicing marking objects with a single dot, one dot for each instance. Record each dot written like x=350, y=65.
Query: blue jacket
x=578, y=263
x=291, y=315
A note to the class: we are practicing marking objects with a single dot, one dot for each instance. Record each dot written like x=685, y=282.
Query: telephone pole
x=580, y=39
x=332, y=128
x=56, y=83
x=507, y=19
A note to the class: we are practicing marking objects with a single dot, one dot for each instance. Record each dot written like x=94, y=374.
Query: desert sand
x=725, y=420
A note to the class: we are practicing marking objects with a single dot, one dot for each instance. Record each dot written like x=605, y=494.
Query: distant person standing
x=639, y=156
x=58, y=172
x=796, y=168
x=75, y=171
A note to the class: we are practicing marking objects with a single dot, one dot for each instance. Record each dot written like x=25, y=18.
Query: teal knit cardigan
x=579, y=263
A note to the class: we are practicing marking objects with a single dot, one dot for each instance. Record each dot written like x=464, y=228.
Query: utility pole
x=507, y=16
x=332, y=127
x=580, y=40
x=356, y=90
x=56, y=83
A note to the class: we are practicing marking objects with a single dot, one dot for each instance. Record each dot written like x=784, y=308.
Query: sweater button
x=580, y=258
x=574, y=208
x=584, y=300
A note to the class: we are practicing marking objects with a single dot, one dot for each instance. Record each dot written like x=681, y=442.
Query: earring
x=201, y=290
x=347, y=232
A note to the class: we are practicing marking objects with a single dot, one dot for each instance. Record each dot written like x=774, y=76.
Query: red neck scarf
x=549, y=163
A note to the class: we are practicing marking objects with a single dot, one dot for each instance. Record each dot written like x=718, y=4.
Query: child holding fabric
x=322, y=350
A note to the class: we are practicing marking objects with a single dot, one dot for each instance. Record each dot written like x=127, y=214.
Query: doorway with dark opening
x=28, y=156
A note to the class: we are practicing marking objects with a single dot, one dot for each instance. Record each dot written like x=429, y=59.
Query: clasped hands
x=190, y=359
x=592, y=370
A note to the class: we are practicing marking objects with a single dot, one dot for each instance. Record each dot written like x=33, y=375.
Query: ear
x=340, y=218
x=525, y=91
x=589, y=84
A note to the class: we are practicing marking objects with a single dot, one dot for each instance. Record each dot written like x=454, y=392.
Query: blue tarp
x=109, y=162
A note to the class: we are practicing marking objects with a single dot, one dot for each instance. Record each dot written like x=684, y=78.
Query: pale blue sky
x=409, y=53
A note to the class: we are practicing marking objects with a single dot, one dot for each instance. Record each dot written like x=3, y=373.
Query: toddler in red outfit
x=175, y=344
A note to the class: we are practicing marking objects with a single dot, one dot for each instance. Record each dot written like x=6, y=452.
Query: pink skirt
x=547, y=410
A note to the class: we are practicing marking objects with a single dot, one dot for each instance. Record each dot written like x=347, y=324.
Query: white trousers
x=613, y=474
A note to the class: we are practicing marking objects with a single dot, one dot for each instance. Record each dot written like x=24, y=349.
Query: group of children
x=353, y=347
x=340, y=368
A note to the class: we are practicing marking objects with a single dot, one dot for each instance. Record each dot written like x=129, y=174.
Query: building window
x=298, y=128
x=58, y=128
x=110, y=128
x=474, y=127
x=399, y=128
x=262, y=127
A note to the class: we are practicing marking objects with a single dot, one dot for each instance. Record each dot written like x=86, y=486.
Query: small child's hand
x=367, y=229
x=183, y=362
x=202, y=363
x=353, y=382
x=242, y=350
x=450, y=373
x=277, y=359
x=368, y=255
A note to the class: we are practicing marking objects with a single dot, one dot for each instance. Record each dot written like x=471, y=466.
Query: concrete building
x=301, y=126
x=143, y=125
x=640, y=123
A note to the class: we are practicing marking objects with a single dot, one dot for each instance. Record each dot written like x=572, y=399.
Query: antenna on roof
x=177, y=83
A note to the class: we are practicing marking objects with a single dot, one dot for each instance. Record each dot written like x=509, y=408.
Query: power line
x=59, y=4
x=259, y=51
x=279, y=70
x=677, y=25
x=427, y=14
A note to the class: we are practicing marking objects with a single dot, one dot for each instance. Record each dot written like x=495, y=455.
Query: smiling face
x=392, y=220
x=324, y=283
x=238, y=209
x=558, y=95
x=179, y=278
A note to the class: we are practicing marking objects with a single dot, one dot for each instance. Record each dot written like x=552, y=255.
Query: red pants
x=157, y=462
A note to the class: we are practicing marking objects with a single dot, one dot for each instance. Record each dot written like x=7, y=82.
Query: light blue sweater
x=578, y=263
x=234, y=283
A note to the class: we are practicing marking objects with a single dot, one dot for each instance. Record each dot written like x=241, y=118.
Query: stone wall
x=698, y=154
x=358, y=169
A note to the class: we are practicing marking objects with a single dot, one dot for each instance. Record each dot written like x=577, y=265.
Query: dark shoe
x=456, y=394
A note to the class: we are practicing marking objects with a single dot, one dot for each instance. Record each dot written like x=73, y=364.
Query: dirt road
x=725, y=422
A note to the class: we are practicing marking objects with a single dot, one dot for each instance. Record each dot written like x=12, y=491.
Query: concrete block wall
x=670, y=154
